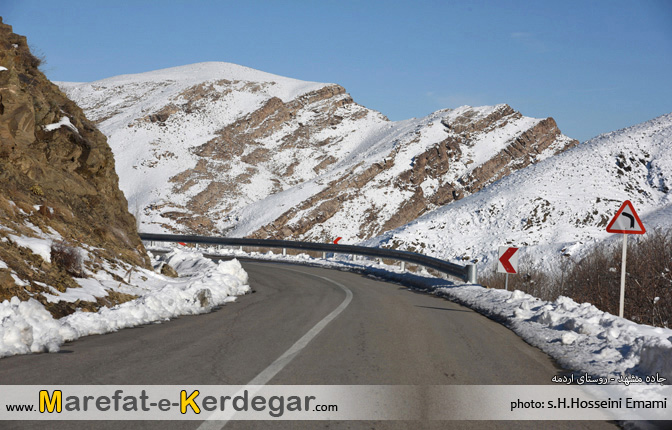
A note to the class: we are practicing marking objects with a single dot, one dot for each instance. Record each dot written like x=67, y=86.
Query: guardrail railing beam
x=466, y=273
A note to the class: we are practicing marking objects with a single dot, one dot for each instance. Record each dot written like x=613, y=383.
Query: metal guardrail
x=466, y=273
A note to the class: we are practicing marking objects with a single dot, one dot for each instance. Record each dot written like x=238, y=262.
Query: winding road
x=344, y=328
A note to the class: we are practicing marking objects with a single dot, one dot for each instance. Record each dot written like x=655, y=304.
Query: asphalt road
x=384, y=334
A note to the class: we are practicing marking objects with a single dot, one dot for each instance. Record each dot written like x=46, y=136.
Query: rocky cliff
x=216, y=148
x=63, y=217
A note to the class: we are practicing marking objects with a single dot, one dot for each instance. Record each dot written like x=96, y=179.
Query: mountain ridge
x=215, y=153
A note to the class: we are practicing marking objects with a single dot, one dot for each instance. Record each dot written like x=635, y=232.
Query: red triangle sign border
x=625, y=204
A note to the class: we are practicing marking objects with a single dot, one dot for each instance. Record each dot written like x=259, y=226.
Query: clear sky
x=595, y=66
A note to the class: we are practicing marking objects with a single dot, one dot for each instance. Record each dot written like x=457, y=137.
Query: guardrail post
x=284, y=251
x=471, y=273
x=403, y=266
x=324, y=255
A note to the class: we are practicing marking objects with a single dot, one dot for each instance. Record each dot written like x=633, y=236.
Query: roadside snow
x=25, y=326
x=579, y=336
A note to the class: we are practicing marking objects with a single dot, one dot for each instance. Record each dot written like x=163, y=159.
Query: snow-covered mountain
x=218, y=148
x=559, y=206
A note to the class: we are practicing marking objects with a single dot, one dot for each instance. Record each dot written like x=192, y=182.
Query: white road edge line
x=218, y=419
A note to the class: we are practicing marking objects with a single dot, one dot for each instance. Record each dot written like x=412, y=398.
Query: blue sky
x=595, y=66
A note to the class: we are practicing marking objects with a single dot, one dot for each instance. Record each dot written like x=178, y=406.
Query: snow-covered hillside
x=176, y=157
x=217, y=148
x=558, y=206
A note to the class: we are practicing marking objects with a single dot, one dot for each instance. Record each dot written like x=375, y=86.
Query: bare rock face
x=57, y=180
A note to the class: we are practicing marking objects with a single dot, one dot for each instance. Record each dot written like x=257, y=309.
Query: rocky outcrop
x=235, y=139
x=57, y=180
x=246, y=141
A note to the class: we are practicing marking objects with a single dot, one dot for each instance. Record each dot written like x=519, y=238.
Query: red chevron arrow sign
x=508, y=260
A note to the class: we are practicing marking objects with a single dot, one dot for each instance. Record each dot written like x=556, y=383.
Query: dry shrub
x=37, y=190
x=36, y=57
x=648, y=280
x=529, y=279
x=68, y=258
x=596, y=279
x=649, y=275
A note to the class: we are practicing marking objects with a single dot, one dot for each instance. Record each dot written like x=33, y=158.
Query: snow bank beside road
x=579, y=336
x=27, y=327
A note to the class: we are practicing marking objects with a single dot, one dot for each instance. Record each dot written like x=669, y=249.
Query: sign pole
x=626, y=221
x=625, y=251
x=506, y=283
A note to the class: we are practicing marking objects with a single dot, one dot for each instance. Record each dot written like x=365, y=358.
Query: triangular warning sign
x=626, y=221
